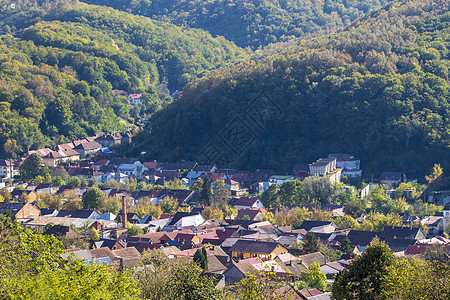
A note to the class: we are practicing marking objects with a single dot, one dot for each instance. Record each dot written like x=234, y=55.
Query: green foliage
x=32, y=167
x=314, y=277
x=172, y=279
x=413, y=278
x=373, y=89
x=31, y=268
x=135, y=230
x=260, y=286
x=206, y=193
x=211, y=212
x=201, y=258
x=169, y=205
x=57, y=75
x=310, y=243
x=346, y=246
x=363, y=279
x=220, y=194
x=92, y=198
x=252, y=22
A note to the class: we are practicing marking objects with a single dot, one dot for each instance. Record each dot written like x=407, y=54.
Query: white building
x=6, y=169
x=136, y=169
x=326, y=167
x=446, y=221
x=136, y=99
x=192, y=220
x=350, y=165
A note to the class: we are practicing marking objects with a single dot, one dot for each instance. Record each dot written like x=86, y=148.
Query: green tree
x=314, y=277
x=93, y=235
x=310, y=243
x=206, y=194
x=172, y=279
x=135, y=230
x=346, y=246
x=198, y=185
x=169, y=205
x=92, y=198
x=363, y=279
x=32, y=167
x=201, y=258
x=5, y=194
x=211, y=212
x=220, y=194
x=270, y=197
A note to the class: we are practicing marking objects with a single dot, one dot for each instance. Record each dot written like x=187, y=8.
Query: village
x=112, y=210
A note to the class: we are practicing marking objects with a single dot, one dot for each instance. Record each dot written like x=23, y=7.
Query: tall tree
x=310, y=243
x=314, y=277
x=32, y=167
x=220, y=196
x=346, y=246
x=92, y=198
x=364, y=277
x=206, y=194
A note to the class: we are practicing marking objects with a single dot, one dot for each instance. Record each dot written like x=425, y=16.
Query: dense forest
x=252, y=23
x=60, y=61
x=378, y=90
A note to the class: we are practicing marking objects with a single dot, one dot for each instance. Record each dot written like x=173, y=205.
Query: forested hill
x=60, y=61
x=252, y=23
x=378, y=90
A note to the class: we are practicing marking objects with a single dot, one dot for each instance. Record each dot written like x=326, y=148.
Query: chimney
x=124, y=212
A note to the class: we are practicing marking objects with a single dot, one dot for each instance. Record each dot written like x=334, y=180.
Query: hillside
x=378, y=90
x=252, y=23
x=59, y=64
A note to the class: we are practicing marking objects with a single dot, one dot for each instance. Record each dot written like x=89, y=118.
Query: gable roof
x=254, y=247
x=313, y=257
x=401, y=232
x=246, y=201
x=88, y=146
x=308, y=225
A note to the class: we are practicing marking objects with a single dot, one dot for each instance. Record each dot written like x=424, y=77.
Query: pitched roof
x=83, y=213
x=88, y=146
x=129, y=252
x=392, y=176
x=102, y=252
x=308, y=225
x=254, y=247
x=11, y=207
x=246, y=201
x=400, y=232
x=313, y=257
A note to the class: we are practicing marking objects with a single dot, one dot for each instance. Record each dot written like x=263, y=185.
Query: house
x=291, y=264
x=280, y=179
x=186, y=219
x=6, y=169
x=250, y=214
x=20, y=211
x=86, y=173
x=434, y=224
x=53, y=158
x=49, y=212
x=264, y=250
x=238, y=271
x=63, y=232
x=446, y=218
x=136, y=169
x=392, y=178
x=87, y=148
x=326, y=167
x=135, y=99
x=349, y=164
x=108, y=140
x=316, y=257
x=318, y=226
x=402, y=233
x=109, y=243
x=301, y=170
x=332, y=268
x=248, y=203
x=30, y=196
x=188, y=240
